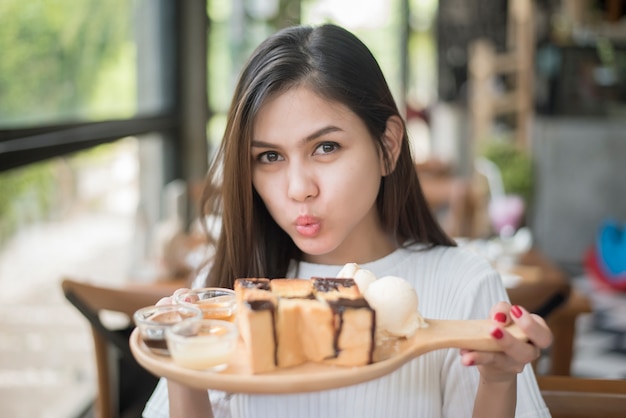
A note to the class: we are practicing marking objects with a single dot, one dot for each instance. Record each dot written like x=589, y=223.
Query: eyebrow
x=320, y=132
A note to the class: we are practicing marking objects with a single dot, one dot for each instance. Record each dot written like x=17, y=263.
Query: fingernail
x=516, y=311
x=470, y=363
x=500, y=317
x=497, y=333
x=187, y=299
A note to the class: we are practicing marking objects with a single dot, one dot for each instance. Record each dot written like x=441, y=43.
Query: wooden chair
x=453, y=199
x=573, y=397
x=123, y=385
x=562, y=322
x=485, y=64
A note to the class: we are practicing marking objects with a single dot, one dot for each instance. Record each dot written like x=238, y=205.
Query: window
x=92, y=117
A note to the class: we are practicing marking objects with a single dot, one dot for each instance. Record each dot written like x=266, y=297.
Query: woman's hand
x=168, y=300
x=501, y=366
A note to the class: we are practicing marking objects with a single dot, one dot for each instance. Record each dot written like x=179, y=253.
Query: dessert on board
x=332, y=320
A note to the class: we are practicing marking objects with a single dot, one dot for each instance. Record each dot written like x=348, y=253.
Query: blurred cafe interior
x=110, y=111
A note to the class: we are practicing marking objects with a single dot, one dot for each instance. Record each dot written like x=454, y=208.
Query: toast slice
x=289, y=350
x=242, y=286
x=286, y=322
x=292, y=288
x=317, y=329
x=256, y=313
x=355, y=329
x=332, y=288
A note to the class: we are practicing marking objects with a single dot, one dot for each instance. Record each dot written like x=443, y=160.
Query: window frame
x=182, y=124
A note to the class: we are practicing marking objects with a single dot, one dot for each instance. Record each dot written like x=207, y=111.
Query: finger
x=534, y=326
x=499, y=313
x=179, y=295
x=469, y=358
x=167, y=300
x=498, y=362
x=180, y=291
x=519, y=351
x=490, y=359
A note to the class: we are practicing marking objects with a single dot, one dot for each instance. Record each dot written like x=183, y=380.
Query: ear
x=392, y=141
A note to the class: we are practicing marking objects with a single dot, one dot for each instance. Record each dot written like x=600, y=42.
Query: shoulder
x=445, y=262
x=452, y=282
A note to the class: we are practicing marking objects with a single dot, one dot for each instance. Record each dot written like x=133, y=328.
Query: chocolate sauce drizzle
x=327, y=284
x=308, y=297
x=261, y=284
x=339, y=307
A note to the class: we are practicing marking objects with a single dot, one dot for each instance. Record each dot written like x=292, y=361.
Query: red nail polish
x=516, y=311
x=500, y=317
x=497, y=333
x=471, y=363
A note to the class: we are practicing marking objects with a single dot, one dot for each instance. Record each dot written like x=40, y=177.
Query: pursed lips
x=308, y=225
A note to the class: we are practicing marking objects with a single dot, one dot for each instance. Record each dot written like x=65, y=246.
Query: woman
x=315, y=171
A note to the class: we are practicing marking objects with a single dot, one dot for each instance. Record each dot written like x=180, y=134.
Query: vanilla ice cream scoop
x=348, y=271
x=396, y=305
x=362, y=277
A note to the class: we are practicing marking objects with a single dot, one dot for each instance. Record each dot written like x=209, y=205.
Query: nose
x=301, y=183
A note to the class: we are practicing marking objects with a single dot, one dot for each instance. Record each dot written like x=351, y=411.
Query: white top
x=451, y=283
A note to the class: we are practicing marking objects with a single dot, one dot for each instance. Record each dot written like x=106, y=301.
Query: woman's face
x=318, y=171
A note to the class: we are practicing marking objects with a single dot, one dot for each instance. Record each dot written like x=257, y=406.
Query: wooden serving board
x=311, y=377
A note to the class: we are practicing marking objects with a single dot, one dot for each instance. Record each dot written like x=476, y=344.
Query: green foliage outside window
x=25, y=196
x=516, y=167
x=53, y=53
x=62, y=61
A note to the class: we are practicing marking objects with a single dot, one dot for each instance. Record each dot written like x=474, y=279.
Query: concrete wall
x=581, y=181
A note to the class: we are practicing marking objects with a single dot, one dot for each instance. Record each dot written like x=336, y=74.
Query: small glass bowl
x=202, y=344
x=214, y=302
x=152, y=322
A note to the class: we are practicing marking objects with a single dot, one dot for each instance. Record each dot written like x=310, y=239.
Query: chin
x=310, y=247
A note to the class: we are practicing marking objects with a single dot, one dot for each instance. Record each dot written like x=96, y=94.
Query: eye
x=269, y=157
x=326, y=148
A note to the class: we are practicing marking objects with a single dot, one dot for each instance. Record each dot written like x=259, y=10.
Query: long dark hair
x=336, y=65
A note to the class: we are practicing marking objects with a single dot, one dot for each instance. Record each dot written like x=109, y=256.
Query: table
x=580, y=397
x=544, y=286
